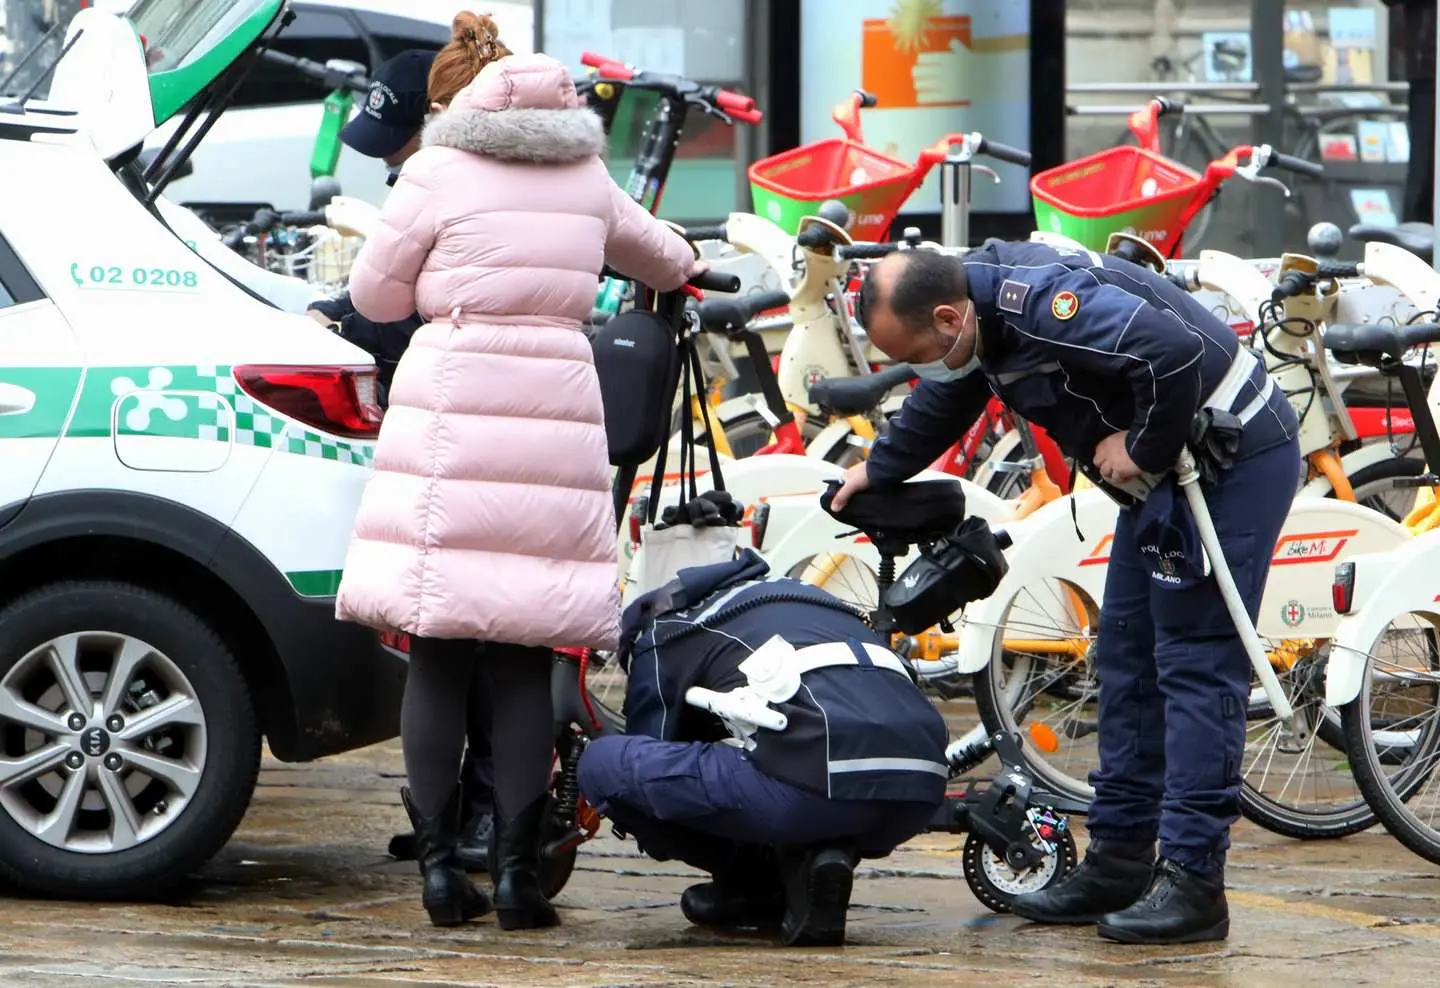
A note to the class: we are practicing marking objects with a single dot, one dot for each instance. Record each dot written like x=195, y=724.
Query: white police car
x=180, y=463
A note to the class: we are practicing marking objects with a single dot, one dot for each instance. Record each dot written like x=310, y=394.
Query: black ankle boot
x=730, y=905
x=519, y=902
x=817, y=896
x=1114, y=875
x=1181, y=906
x=448, y=895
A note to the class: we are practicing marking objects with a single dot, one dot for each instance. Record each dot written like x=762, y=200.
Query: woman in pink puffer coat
x=489, y=517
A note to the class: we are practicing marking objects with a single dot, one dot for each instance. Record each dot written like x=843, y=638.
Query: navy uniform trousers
x=707, y=805
x=1175, y=679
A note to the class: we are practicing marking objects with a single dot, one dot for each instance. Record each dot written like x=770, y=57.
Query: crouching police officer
x=778, y=817
x=1123, y=369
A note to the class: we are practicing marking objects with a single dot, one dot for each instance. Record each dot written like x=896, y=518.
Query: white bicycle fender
x=999, y=453
x=1387, y=585
x=834, y=436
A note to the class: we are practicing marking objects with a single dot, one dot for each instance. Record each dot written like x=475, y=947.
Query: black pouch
x=949, y=574
x=638, y=363
x=1214, y=442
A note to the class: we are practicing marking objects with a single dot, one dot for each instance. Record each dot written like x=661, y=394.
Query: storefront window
x=700, y=41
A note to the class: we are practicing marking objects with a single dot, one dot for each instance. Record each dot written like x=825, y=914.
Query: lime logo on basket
x=1064, y=306
x=115, y=277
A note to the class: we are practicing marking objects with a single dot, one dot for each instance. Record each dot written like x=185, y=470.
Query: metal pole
x=955, y=201
x=1267, y=40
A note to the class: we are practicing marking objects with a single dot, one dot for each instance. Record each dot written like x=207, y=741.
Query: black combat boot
x=1114, y=875
x=1182, y=906
x=817, y=896
x=519, y=902
x=744, y=891
x=448, y=895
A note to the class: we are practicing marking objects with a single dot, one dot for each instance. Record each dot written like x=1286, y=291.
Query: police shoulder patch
x=1064, y=305
x=1011, y=297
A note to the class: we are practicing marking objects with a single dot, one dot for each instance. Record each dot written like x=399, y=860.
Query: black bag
x=965, y=566
x=638, y=363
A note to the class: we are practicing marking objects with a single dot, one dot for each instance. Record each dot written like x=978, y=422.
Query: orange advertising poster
x=892, y=51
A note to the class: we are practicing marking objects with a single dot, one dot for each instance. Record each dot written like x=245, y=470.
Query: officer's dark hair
x=927, y=278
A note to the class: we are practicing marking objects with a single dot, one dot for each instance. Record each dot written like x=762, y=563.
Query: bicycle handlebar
x=331, y=78
x=1292, y=283
x=865, y=252
x=712, y=99
x=714, y=231
x=1298, y=165
x=266, y=220
x=732, y=316
x=1002, y=152
x=716, y=281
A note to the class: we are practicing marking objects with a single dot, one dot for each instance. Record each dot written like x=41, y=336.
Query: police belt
x=1241, y=369
x=813, y=657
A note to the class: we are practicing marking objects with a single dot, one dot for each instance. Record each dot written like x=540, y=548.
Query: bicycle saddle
x=913, y=513
x=1304, y=73
x=858, y=395
x=1370, y=344
x=733, y=315
x=1417, y=238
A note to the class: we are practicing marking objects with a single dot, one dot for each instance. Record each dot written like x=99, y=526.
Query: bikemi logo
x=1293, y=613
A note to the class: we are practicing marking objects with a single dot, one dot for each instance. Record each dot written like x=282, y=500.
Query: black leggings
x=446, y=676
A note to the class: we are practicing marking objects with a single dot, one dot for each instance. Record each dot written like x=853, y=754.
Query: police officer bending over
x=777, y=817
x=1122, y=368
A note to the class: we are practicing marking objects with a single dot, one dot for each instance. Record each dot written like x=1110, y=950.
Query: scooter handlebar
x=1003, y=152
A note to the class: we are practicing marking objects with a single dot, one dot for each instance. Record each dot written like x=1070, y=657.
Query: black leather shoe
x=448, y=895
x=474, y=847
x=1114, y=875
x=1181, y=907
x=817, y=897
x=726, y=906
x=519, y=902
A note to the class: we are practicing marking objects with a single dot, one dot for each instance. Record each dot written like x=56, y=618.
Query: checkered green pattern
x=179, y=402
x=256, y=425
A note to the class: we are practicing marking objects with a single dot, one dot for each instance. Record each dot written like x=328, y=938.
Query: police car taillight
x=340, y=400
x=1342, y=591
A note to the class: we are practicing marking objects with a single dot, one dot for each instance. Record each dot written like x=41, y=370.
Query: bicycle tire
x=1391, y=804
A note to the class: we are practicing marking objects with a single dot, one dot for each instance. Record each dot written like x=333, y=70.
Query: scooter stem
x=1189, y=479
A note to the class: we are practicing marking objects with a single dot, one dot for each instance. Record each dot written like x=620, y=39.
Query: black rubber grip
x=716, y=281
x=712, y=231
x=1168, y=107
x=867, y=99
x=865, y=252
x=814, y=236
x=1291, y=283
x=733, y=315
x=1291, y=163
x=1004, y=152
x=1337, y=269
x=307, y=217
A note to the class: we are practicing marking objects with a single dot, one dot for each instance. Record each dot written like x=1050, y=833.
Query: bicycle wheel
x=1041, y=676
x=1395, y=713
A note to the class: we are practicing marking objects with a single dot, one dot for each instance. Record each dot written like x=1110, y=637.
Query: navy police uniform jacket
x=1086, y=346
x=856, y=732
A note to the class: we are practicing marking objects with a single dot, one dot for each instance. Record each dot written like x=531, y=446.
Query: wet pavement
x=304, y=894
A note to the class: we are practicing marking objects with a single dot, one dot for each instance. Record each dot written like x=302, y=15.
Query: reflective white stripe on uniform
x=889, y=765
x=1236, y=377
x=814, y=657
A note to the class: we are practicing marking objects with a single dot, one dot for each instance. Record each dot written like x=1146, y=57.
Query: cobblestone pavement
x=305, y=895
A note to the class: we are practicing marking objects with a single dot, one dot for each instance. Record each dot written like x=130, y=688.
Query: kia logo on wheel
x=95, y=742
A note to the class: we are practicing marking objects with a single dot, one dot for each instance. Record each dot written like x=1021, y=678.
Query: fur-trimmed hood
x=532, y=136
x=520, y=108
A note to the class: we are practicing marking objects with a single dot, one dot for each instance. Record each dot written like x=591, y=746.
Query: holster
x=1214, y=442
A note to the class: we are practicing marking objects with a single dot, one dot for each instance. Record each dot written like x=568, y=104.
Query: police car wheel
x=130, y=745
x=996, y=884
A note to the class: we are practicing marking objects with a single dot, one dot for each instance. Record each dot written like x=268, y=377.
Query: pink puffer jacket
x=489, y=515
